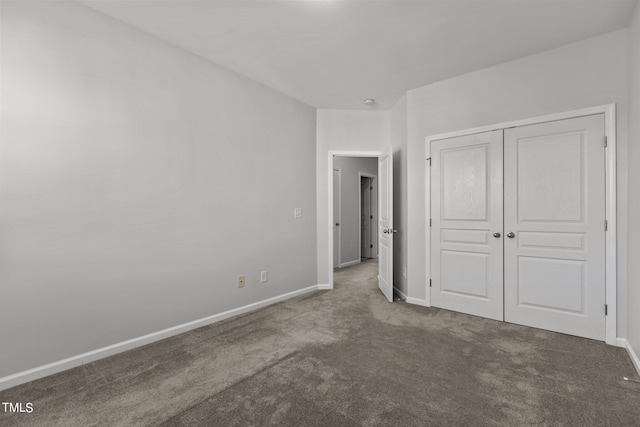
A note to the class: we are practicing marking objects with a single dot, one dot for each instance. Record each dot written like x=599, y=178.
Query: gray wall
x=633, y=291
x=350, y=167
x=137, y=182
x=584, y=74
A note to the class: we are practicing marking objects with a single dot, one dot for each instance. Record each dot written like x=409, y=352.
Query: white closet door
x=555, y=208
x=466, y=211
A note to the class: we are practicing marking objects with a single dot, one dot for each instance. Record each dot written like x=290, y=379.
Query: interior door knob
x=511, y=235
x=496, y=235
x=337, y=224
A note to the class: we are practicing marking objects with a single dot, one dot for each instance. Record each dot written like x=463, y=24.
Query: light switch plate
x=297, y=212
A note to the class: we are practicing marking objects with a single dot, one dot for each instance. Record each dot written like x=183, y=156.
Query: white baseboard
x=91, y=356
x=402, y=295
x=324, y=287
x=632, y=354
x=350, y=263
x=417, y=301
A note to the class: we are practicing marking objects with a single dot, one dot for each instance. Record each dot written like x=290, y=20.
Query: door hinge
x=429, y=282
x=371, y=246
x=371, y=188
x=605, y=142
x=429, y=160
x=370, y=216
x=606, y=310
x=430, y=221
x=606, y=225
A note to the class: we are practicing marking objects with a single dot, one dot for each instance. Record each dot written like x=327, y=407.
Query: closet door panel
x=554, y=197
x=466, y=211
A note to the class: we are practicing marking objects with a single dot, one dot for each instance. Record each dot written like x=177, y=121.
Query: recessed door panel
x=466, y=211
x=464, y=183
x=550, y=168
x=560, y=241
x=555, y=209
x=467, y=237
x=469, y=281
x=539, y=280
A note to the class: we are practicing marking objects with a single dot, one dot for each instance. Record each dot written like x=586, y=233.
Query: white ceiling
x=336, y=53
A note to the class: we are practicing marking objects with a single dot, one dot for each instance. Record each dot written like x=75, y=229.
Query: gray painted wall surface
x=584, y=74
x=137, y=182
x=350, y=203
x=633, y=291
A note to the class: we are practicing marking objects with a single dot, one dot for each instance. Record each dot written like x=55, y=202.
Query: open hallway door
x=385, y=223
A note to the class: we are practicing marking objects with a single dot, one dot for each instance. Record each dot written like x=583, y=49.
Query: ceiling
x=336, y=53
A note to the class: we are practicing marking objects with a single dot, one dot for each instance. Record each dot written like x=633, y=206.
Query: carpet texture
x=344, y=358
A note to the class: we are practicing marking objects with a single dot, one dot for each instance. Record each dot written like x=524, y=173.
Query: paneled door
x=467, y=220
x=366, y=217
x=385, y=223
x=337, y=185
x=554, y=192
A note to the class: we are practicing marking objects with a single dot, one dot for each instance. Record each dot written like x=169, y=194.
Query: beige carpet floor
x=345, y=358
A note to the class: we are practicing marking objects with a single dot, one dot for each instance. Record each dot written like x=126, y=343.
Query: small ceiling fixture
x=369, y=101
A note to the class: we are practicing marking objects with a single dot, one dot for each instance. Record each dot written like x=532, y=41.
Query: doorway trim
x=332, y=154
x=374, y=184
x=609, y=111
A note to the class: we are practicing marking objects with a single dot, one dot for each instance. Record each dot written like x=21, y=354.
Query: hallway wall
x=350, y=167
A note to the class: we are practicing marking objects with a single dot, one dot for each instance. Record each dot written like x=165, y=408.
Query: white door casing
x=554, y=196
x=329, y=225
x=466, y=229
x=385, y=223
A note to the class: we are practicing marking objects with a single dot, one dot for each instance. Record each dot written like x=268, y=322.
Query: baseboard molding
x=417, y=301
x=91, y=356
x=632, y=354
x=350, y=263
x=324, y=287
x=402, y=295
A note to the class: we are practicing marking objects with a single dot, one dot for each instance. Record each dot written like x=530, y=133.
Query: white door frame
x=374, y=184
x=332, y=154
x=609, y=112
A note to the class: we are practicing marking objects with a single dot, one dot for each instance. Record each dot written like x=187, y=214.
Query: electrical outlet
x=263, y=276
x=240, y=281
